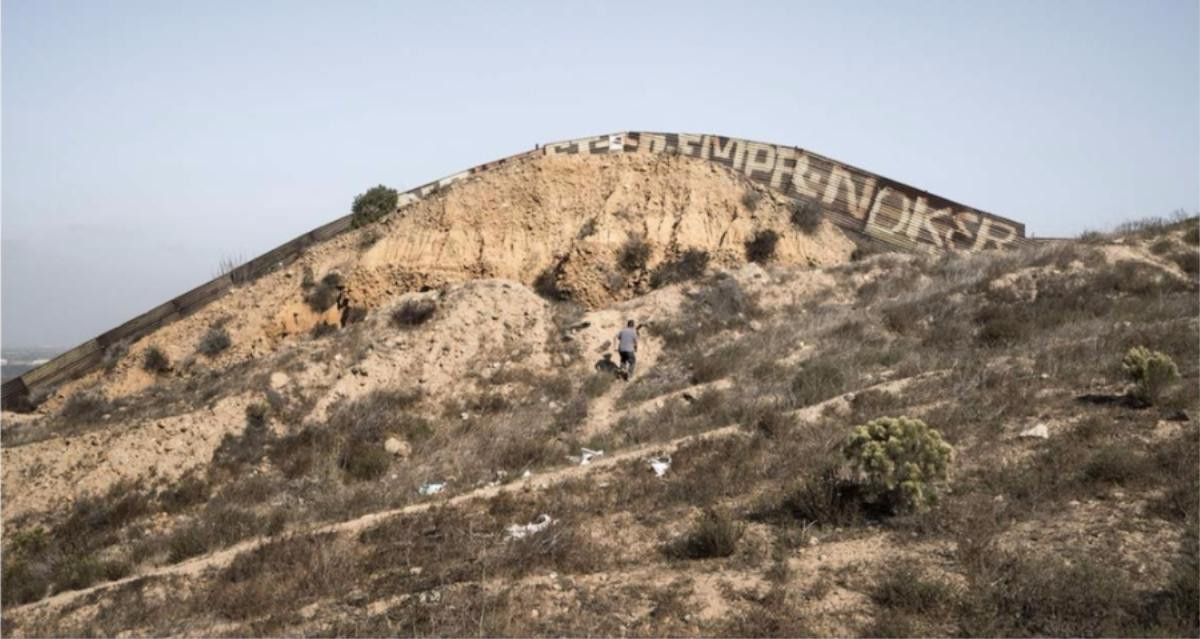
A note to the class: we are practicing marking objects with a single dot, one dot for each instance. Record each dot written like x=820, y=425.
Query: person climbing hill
x=627, y=343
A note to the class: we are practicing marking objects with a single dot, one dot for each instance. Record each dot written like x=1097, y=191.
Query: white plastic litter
x=660, y=465
x=518, y=531
x=431, y=488
x=587, y=454
x=526, y=474
x=1039, y=431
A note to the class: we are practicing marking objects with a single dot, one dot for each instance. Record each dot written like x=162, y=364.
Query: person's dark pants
x=627, y=357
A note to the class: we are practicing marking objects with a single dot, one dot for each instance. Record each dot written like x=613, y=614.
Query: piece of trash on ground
x=586, y=455
x=519, y=531
x=660, y=465
x=1040, y=431
x=431, y=488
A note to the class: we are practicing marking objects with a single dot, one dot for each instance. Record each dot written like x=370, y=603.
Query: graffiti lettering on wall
x=854, y=198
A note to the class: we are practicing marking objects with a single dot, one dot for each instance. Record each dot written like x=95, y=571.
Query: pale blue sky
x=143, y=141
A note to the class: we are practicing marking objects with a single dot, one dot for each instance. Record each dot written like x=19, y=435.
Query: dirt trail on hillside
x=541, y=481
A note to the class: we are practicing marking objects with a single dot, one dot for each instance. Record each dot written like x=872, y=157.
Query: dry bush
x=689, y=265
x=1023, y=595
x=85, y=407
x=817, y=381
x=280, y=575
x=413, y=313
x=597, y=384
x=1004, y=325
x=214, y=341
x=751, y=198
x=907, y=594
x=325, y=293
x=1188, y=261
x=321, y=329
x=1117, y=464
x=806, y=216
x=633, y=254
x=113, y=355
x=760, y=249
x=715, y=535
x=822, y=496
x=546, y=284
x=154, y=360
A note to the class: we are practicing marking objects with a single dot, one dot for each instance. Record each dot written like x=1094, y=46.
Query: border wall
x=888, y=212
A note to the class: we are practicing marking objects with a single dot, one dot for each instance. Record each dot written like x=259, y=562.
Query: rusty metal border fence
x=885, y=211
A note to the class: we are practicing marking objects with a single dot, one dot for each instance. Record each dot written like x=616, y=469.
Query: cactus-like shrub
x=901, y=461
x=1150, y=371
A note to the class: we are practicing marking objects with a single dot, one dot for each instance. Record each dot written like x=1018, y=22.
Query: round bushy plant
x=155, y=361
x=1150, y=371
x=760, y=249
x=901, y=460
x=374, y=204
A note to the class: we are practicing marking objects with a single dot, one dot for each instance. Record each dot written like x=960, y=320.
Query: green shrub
x=901, y=459
x=214, y=341
x=760, y=249
x=155, y=361
x=1150, y=371
x=806, y=216
x=377, y=202
x=715, y=535
x=634, y=254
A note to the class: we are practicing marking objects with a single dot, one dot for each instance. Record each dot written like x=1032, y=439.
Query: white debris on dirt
x=431, y=488
x=521, y=531
x=586, y=455
x=660, y=465
x=1038, y=432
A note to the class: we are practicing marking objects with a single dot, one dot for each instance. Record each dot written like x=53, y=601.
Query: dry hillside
x=274, y=472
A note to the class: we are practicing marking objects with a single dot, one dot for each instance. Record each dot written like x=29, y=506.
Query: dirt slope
x=283, y=487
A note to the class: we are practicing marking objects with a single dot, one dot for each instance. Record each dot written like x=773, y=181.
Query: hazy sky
x=144, y=141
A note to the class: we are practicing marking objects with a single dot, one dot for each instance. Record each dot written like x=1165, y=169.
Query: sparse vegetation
x=805, y=215
x=689, y=265
x=85, y=406
x=1011, y=550
x=154, y=360
x=751, y=198
x=323, y=295
x=214, y=342
x=1150, y=371
x=716, y=534
x=413, y=312
x=113, y=355
x=760, y=249
x=634, y=254
x=372, y=205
